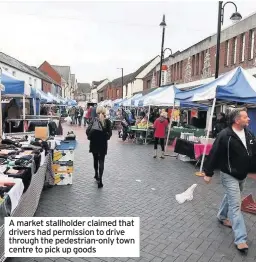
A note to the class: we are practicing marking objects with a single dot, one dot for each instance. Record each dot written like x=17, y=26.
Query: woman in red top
x=160, y=126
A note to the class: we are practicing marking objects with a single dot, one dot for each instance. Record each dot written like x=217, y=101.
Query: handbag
x=94, y=126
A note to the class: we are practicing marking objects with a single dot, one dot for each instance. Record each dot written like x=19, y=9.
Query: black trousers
x=79, y=120
x=125, y=133
x=99, y=160
x=161, y=143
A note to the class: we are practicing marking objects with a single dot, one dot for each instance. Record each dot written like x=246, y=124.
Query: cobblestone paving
x=169, y=231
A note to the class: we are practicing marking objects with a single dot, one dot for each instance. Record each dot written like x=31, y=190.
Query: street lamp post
x=236, y=16
x=163, y=25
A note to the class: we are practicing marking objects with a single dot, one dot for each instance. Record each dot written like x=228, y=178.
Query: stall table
x=140, y=132
x=176, y=132
x=191, y=149
x=116, y=123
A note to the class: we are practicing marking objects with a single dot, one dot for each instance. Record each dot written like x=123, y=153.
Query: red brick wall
x=47, y=68
x=247, y=63
x=111, y=93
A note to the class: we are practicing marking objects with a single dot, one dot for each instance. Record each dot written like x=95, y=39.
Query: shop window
x=181, y=69
x=242, y=49
x=202, y=62
x=197, y=64
x=251, y=43
x=227, y=53
x=148, y=84
x=193, y=65
x=234, y=50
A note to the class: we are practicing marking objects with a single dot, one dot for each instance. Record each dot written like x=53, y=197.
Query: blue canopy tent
x=71, y=102
x=13, y=87
x=36, y=96
x=139, y=101
x=118, y=104
x=130, y=101
x=44, y=98
x=117, y=101
x=53, y=98
x=236, y=86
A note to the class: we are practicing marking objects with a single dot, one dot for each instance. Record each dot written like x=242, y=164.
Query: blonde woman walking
x=99, y=132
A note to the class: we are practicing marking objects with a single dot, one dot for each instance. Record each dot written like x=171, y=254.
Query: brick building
x=196, y=64
x=132, y=83
x=53, y=74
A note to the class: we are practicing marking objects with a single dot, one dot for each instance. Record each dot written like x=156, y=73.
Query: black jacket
x=230, y=155
x=99, y=139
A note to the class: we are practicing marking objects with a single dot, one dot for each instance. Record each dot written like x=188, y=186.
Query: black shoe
x=96, y=178
x=100, y=185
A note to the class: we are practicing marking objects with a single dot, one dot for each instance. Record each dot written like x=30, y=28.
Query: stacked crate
x=63, y=162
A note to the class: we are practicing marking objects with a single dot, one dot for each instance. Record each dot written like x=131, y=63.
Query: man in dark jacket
x=232, y=153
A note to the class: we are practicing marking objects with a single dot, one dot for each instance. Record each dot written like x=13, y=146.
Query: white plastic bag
x=187, y=195
x=68, y=119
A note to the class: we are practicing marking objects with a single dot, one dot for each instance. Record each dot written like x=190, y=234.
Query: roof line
x=51, y=67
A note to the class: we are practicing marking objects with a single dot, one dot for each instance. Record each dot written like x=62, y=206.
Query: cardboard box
x=63, y=155
x=62, y=179
x=63, y=167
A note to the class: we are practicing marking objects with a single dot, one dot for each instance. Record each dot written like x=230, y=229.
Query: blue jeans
x=231, y=206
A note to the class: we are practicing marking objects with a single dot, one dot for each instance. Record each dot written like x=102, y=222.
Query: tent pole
x=1, y=89
x=208, y=133
x=24, y=113
x=170, y=126
x=147, y=125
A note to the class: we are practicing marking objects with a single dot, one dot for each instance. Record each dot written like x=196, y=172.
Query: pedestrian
x=72, y=113
x=160, y=126
x=94, y=112
x=232, y=152
x=85, y=115
x=99, y=132
x=80, y=113
x=125, y=123
x=220, y=124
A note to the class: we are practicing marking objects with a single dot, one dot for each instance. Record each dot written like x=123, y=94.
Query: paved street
x=169, y=231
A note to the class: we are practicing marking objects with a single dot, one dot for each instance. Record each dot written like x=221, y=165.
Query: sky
x=96, y=38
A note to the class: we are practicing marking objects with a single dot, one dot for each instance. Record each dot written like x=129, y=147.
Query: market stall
x=226, y=90
x=190, y=148
x=26, y=167
x=15, y=89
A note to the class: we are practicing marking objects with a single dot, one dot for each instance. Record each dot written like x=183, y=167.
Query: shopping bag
x=95, y=125
x=187, y=195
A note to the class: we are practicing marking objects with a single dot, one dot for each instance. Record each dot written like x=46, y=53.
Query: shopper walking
x=220, y=124
x=99, y=132
x=72, y=113
x=85, y=115
x=160, y=126
x=80, y=113
x=232, y=152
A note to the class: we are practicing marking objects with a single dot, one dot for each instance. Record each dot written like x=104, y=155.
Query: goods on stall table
x=144, y=125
